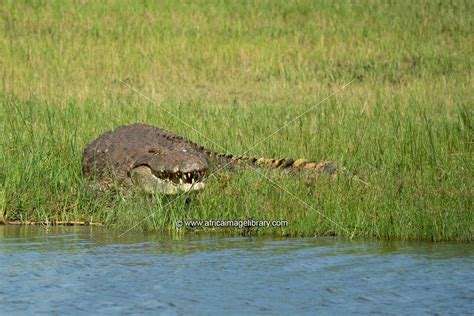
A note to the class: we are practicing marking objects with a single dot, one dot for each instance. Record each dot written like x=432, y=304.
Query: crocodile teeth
x=185, y=176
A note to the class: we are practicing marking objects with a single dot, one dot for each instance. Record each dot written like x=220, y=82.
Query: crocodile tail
x=298, y=165
x=292, y=164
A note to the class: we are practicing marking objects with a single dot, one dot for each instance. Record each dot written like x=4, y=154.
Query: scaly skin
x=160, y=161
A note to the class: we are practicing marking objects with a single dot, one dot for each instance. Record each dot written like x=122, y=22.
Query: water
x=86, y=270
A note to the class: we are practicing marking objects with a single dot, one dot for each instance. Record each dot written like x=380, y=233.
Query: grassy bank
x=237, y=71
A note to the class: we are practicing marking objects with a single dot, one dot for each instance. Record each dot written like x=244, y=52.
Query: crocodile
x=160, y=161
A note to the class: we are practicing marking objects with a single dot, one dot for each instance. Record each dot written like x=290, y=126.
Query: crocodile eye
x=154, y=151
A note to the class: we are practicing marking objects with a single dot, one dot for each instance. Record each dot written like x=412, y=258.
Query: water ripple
x=83, y=271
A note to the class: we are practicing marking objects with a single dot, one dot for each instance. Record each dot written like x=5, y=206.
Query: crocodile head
x=180, y=167
x=158, y=160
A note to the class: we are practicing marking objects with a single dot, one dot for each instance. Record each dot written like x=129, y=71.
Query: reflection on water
x=91, y=270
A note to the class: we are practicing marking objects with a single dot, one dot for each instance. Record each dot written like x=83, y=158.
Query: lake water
x=88, y=270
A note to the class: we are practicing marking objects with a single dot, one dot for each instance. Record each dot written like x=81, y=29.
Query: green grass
x=237, y=71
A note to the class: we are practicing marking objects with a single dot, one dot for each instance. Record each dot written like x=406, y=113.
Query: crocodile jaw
x=144, y=178
x=166, y=187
